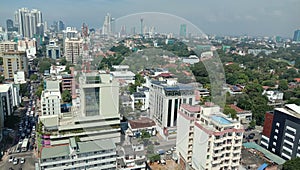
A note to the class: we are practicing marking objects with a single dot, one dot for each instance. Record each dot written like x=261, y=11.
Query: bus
x=24, y=145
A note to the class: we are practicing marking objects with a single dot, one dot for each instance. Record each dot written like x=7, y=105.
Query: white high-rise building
x=27, y=21
x=207, y=138
x=108, y=25
x=50, y=99
x=165, y=99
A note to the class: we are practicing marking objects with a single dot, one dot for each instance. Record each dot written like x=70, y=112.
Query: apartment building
x=164, y=101
x=92, y=155
x=14, y=61
x=73, y=49
x=7, y=46
x=50, y=102
x=207, y=138
x=281, y=132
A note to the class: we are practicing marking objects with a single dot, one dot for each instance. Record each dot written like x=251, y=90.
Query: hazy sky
x=221, y=17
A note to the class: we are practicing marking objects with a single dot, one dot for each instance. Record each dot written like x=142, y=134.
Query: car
x=10, y=159
x=15, y=161
x=169, y=152
x=20, y=142
x=22, y=160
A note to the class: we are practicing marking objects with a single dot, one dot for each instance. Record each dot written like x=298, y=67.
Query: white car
x=11, y=159
x=15, y=162
x=22, y=160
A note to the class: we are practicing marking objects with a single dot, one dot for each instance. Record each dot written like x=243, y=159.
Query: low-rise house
x=143, y=123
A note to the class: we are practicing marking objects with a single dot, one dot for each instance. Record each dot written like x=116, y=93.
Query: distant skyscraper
x=60, y=26
x=9, y=25
x=107, y=25
x=296, y=36
x=28, y=21
x=182, y=32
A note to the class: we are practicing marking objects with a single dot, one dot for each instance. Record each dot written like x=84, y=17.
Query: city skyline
x=227, y=17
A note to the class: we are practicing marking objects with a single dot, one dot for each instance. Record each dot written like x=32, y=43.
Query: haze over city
x=228, y=17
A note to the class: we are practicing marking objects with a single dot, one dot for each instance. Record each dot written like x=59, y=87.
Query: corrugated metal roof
x=278, y=160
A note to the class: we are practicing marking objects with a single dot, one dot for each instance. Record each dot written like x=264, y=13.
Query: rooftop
x=278, y=160
x=142, y=122
x=290, y=109
x=194, y=109
x=4, y=88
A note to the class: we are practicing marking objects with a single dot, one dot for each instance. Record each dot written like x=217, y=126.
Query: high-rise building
x=281, y=132
x=73, y=48
x=97, y=117
x=9, y=25
x=107, y=28
x=27, y=21
x=296, y=36
x=53, y=50
x=182, y=32
x=14, y=61
x=165, y=99
x=70, y=32
x=7, y=46
x=207, y=138
x=60, y=26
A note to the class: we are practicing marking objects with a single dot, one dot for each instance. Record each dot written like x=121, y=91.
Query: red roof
x=191, y=108
x=237, y=109
x=142, y=122
x=297, y=80
x=165, y=75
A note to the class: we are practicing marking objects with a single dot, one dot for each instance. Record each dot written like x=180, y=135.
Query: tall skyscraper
x=60, y=25
x=107, y=28
x=296, y=36
x=9, y=25
x=28, y=21
x=182, y=32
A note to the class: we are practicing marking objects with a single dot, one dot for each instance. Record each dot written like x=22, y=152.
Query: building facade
x=73, y=49
x=208, y=139
x=14, y=61
x=164, y=102
x=92, y=155
x=53, y=50
x=7, y=46
x=281, y=132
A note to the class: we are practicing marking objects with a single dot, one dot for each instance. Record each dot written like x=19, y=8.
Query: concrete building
x=143, y=123
x=14, y=61
x=127, y=76
x=53, y=50
x=273, y=96
x=7, y=46
x=92, y=155
x=19, y=77
x=67, y=82
x=97, y=117
x=73, y=49
x=6, y=106
x=207, y=139
x=50, y=102
x=29, y=46
x=165, y=100
x=70, y=32
x=281, y=132
x=132, y=156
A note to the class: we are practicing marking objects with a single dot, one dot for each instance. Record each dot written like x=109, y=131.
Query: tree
x=2, y=78
x=292, y=164
x=283, y=85
x=229, y=111
x=63, y=61
x=66, y=96
x=33, y=77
